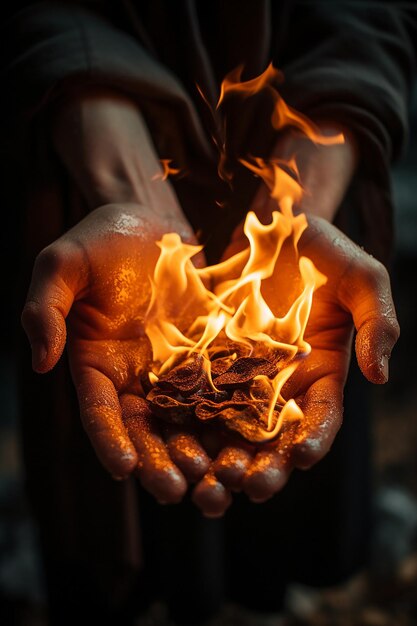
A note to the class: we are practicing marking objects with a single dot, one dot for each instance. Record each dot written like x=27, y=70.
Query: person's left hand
x=358, y=289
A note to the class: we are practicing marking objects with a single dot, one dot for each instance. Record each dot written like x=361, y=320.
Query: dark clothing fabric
x=346, y=62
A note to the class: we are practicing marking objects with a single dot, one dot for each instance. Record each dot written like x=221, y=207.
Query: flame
x=232, y=82
x=167, y=170
x=203, y=310
x=283, y=115
x=230, y=304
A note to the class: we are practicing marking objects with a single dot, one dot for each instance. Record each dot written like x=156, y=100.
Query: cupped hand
x=90, y=289
x=357, y=295
x=92, y=285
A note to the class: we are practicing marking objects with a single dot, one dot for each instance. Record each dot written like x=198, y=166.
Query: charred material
x=223, y=389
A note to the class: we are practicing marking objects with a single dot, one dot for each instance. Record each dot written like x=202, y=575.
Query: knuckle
x=30, y=313
x=375, y=273
x=51, y=260
x=393, y=328
x=92, y=424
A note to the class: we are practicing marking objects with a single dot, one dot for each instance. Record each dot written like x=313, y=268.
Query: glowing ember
x=167, y=170
x=220, y=350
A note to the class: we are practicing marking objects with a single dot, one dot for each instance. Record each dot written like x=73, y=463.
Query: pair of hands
x=90, y=290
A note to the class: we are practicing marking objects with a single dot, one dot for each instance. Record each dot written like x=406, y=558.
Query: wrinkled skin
x=90, y=289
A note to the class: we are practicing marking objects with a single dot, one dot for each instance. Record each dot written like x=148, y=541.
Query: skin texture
x=358, y=288
x=90, y=288
x=357, y=295
x=90, y=291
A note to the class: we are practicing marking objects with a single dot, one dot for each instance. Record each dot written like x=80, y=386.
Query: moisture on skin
x=211, y=496
x=108, y=351
x=231, y=466
x=187, y=453
x=155, y=469
x=266, y=476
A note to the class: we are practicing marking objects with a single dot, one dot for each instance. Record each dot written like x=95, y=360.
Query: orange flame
x=167, y=170
x=232, y=83
x=233, y=308
x=199, y=311
x=283, y=115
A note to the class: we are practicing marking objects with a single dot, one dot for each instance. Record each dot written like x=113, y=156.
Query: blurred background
x=386, y=595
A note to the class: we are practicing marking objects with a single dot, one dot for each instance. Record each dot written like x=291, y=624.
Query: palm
x=98, y=274
x=106, y=322
x=317, y=385
x=330, y=326
x=106, y=325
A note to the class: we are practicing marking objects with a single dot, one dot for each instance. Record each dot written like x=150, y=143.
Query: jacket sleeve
x=354, y=63
x=49, y=48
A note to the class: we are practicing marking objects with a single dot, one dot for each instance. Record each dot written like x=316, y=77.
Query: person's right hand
x=91, y=289
x=92, y=286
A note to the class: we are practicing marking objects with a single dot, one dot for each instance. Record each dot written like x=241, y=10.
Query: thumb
x=374, y=342
x=50, y=297
x=372, y=307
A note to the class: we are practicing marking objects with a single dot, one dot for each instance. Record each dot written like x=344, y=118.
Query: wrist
x=104, y=144
x=325, y=170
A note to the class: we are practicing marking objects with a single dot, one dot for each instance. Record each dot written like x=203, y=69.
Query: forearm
x=354, y=62
x=103, y=142
x=326, y=173
x=325, y=170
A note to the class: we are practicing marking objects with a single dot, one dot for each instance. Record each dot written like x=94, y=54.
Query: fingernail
x=385, y=368
x=39, y=353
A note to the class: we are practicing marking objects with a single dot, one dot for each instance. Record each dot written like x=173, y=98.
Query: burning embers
x=234, y=397
x=226, y=338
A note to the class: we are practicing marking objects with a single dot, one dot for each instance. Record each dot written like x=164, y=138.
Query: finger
x=323, y=414
x=211, y=496
x=231, y=466
x=156, y=471
x=55, y=278
x=187, y=453
x=266, y=476
x=102, y=419
x=366, y=292
x=374, y=343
